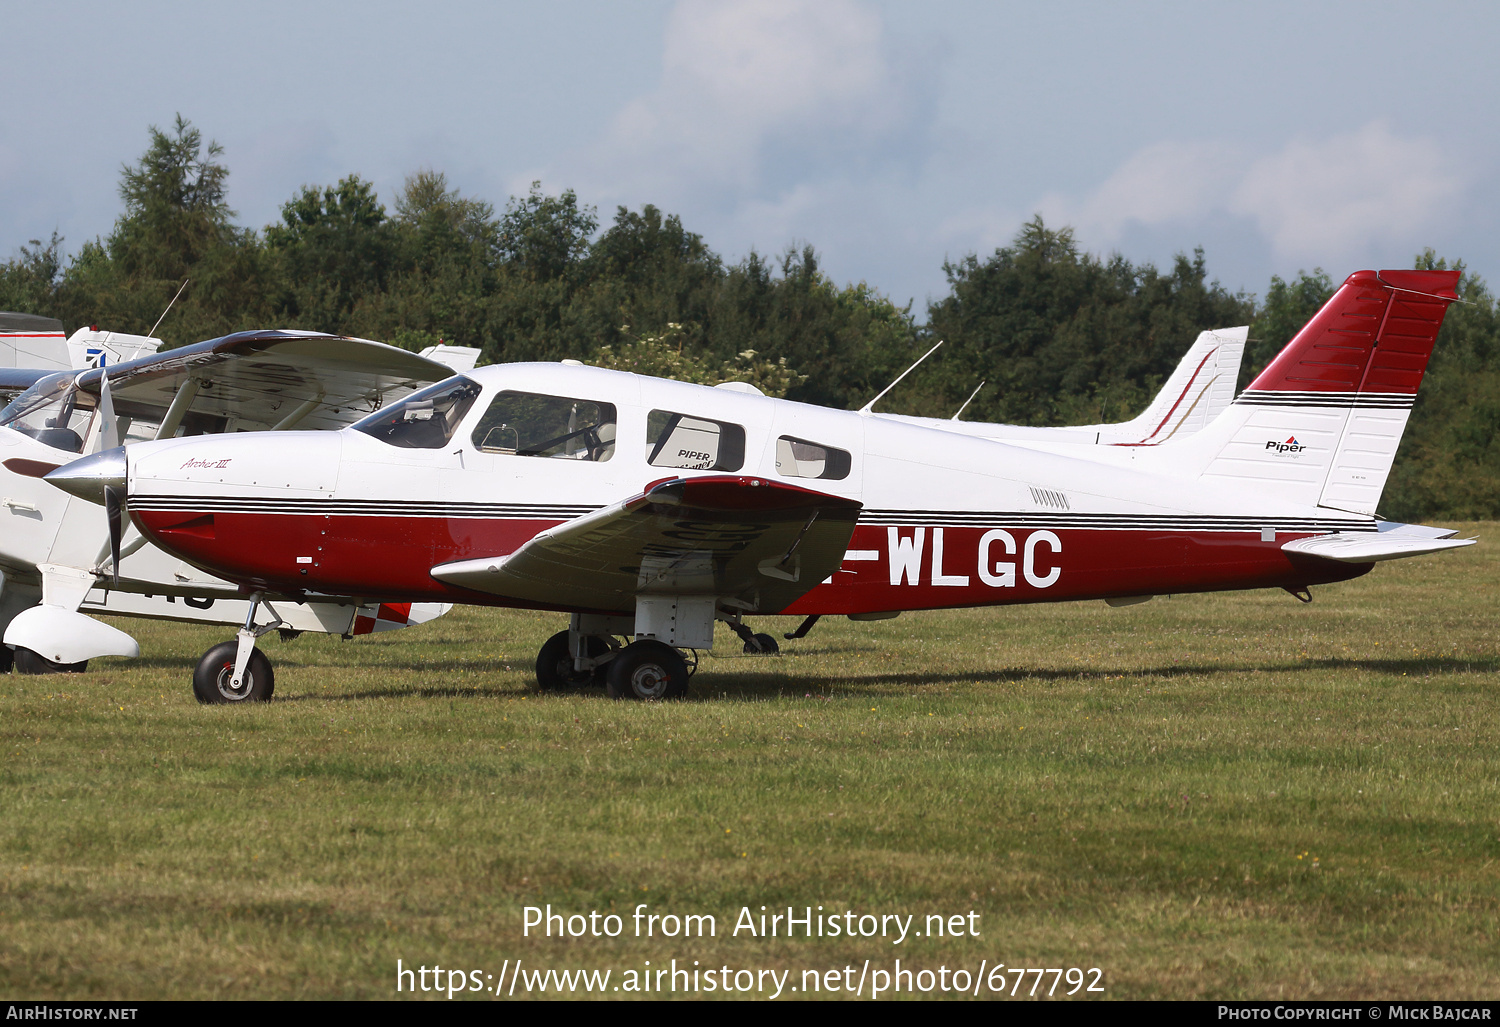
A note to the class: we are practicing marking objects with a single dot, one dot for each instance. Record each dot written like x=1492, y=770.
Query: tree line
x=1058, y=334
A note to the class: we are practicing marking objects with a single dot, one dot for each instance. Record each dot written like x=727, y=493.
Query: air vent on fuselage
x=1049, y=498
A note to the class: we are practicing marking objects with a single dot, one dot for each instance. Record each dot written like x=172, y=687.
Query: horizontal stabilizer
x=760, y=542
x=1392, y=542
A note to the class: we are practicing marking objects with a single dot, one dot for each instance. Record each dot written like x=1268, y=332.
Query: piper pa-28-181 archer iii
x=58, y=562
x=650, y=509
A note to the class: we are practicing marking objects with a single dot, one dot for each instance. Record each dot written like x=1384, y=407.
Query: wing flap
x=762, y=543
x=1392, y=542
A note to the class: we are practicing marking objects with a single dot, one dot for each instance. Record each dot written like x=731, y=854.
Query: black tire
x=7, y=658
x=216, y=669
x=554, y=664
x=28, y=662
x=646, y=670
x=762, y=645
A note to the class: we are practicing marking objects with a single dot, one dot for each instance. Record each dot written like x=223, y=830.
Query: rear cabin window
x=677, y=440
x=798, y=458
x=561, y=427
x=426, y=419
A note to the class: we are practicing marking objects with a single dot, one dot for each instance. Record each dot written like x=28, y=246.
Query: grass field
x=1203, y=796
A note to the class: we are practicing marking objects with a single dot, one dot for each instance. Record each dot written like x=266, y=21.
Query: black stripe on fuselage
x=360, y=507
x=1058, y=519
x=1340, y=400
x=870, y=518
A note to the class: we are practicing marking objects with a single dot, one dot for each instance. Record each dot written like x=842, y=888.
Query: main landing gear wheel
x=646, y=670
x=761, y=645
x=212, y=680
x=554, y=664
x=28, y=662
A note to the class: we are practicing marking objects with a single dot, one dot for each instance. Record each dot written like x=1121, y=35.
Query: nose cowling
x=90, y=477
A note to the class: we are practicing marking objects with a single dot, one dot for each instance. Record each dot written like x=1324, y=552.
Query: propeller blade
x=110, y=425
x=114, y=510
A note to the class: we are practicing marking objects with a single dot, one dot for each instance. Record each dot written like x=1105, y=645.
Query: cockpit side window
x=798, y=458
x=427, y=419
x=561, y=427
x=53, y=411
x=677, y=440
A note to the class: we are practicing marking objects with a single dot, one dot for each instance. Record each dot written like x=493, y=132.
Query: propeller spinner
x=100, y=478
x=90, y=477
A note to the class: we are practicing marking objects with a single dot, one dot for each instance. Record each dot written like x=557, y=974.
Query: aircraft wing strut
x=759, y=542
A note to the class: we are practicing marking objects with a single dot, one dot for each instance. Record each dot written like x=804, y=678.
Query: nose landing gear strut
x=237, y=671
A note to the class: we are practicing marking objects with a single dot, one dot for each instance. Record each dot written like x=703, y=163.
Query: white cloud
x=1164, y=183
x=756, y=98
x=1345, y=197
x=1349, y=192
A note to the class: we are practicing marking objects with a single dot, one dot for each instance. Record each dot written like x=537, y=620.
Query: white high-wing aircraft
x=56, y=564
x=649, y=509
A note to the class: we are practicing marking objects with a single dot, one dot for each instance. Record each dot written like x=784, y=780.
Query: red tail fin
x=1320, y=425
x=1372, y=338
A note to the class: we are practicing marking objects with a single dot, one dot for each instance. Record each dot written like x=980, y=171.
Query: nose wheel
x=236, y=671
x=214, y=683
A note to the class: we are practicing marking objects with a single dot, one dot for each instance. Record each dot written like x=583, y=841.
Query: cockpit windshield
x=425, y=419
x=53, y=411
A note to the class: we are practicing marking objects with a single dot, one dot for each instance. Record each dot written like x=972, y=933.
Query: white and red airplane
x=649, y=509
x=57, y=566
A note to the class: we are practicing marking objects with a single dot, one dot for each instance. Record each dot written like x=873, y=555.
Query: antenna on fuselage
x=870, y=406
x=967, y=401
x=152, y=333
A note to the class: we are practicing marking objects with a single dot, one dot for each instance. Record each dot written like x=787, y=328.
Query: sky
x=892, y=136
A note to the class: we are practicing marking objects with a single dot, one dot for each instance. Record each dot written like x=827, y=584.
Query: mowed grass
x=1204, y=796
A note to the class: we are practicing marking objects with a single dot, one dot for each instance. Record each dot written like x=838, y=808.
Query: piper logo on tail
x=1291, y=445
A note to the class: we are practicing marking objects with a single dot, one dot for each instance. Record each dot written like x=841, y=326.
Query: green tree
x=176, y=226
x=28, y=281
x=1448, y=466
x=1062, y=335
x=332, y=248
x=846, y=341
x=661, y=355
x=546, y=237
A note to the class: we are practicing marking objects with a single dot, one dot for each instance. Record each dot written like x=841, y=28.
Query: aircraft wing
x=267, y=379
x=760, y=542
x=1391, y=542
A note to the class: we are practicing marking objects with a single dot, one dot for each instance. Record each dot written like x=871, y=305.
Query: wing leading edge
x=759, y=543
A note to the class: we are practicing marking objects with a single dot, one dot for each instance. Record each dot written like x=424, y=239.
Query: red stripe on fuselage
x=392, y=557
